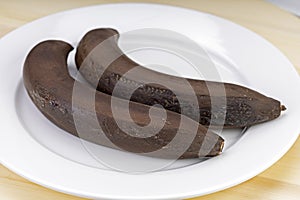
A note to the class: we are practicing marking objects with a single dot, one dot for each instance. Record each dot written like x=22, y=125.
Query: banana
x=219, y=104
x=51, y=88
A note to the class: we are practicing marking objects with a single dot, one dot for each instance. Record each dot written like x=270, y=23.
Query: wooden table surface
x=281, y=181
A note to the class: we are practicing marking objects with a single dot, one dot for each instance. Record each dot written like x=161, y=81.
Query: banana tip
x=283, y=108
x=221, y=148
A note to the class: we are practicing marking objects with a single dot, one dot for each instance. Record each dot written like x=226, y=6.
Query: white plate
x=37, y=150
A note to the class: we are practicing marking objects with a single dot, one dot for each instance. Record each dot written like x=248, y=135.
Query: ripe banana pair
x=51, y=89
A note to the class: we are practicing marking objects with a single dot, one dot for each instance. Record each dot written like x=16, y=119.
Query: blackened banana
x=50, y=87
x=220, y=104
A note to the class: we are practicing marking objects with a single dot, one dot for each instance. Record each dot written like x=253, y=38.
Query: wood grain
x=281, y=181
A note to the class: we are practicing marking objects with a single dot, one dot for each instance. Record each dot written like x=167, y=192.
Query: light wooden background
x=281, y=181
